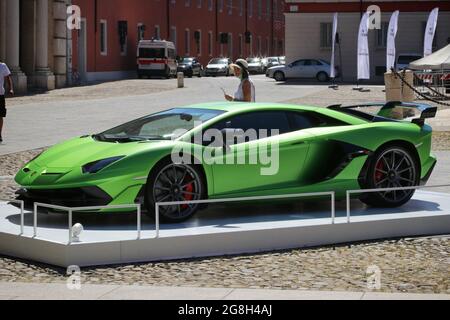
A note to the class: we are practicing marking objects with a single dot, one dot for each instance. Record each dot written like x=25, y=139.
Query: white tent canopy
x=438, y=60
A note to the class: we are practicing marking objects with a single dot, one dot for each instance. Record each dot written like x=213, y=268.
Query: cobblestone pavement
x=420, y=265
x=95, y=91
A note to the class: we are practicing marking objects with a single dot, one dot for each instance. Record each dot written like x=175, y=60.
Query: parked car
x=190, y=66
x=303, y=68
x=270, y=62
x=218, y=67
x=404, y=59
x=255, y=65
x=156, y=58
x=334, y=149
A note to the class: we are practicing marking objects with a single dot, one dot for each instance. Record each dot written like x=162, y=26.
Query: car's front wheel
x=391, y=167
x=279, y=76
x=322, y=77
x=169, y=182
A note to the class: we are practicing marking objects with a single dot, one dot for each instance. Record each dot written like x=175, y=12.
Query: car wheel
x=279, y=76
x=391, y=167
x=169, y=182
x=322, y=77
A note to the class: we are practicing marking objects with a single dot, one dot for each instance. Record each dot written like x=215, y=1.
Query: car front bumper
x=215, y=72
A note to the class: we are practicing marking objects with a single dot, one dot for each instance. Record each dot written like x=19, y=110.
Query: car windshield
x=152, y=52
x=218, y=61
x=407, y=59
x=253, y=60
x=186, y=60
x=165, y=125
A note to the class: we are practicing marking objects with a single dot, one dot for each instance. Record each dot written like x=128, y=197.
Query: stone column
x=60, y=38
x=13, y=45
x=44, y=78
x=2, y=30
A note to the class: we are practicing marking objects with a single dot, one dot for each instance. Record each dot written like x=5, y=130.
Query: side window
x=298, y=63
x=307, y=120
x=258, y=121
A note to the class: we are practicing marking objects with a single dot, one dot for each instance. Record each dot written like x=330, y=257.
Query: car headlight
x=96, y=166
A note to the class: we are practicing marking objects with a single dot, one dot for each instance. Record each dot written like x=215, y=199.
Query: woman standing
x=246, y=89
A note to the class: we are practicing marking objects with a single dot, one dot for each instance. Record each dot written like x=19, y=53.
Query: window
x=173, y=35
x=241, y=45
x=123, y=36
x=198, y=41
x=199, y=3
x=220, y=4
x=157, y=33
x=140, y=31
x=187, y=3
x=261, y=120
x=307, y=120
x=187, y=42
x=381, y=40
x=210, y=43
x=259, y=9
x=210, y=5
x=241, y=7
x=275, y=8
x=268, y=10
x=230, y=7
x=326, y=30
x=230, y=45
x=103, y=37
x=259, y=45
x=250, y=8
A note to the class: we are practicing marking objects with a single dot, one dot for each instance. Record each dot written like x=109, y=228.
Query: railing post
x=157, y=220
x=35, y=206
x=348, y=206
x=22, y=217
x=139, y=226
x=70, y=226
x=333, y=208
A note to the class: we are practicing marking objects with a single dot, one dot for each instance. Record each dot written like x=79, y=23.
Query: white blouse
x=239, y=95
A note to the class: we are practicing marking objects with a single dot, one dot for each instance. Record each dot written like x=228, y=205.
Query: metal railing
x=361, y=191
x=278, y=197
x=80, y=209
x=71, y=210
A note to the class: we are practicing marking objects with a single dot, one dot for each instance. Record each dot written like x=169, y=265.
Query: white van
x=156, y=58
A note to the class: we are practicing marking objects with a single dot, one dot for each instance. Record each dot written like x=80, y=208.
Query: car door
x=279, y=158
x=295, y=69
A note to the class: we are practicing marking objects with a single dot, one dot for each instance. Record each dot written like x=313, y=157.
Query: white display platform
x=219, y=230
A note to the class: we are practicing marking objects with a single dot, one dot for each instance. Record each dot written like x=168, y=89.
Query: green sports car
x=227, y=150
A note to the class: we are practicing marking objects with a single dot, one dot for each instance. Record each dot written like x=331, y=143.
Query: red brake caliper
x=188, y=197
x=378, y=174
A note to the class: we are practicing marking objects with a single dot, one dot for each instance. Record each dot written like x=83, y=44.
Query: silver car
x=303, y=68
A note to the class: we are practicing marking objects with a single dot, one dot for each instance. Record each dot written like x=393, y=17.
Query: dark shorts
x=2, y=107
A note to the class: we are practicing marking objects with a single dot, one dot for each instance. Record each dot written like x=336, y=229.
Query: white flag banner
x=390, y=46
x=333, y=45
x=429, y=32
x=363, y=48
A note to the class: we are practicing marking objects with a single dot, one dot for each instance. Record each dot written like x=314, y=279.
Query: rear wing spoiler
x=387, y=110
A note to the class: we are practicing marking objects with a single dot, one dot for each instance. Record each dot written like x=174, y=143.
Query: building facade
x=309, y=25
x=105, y=46
x=33, y=42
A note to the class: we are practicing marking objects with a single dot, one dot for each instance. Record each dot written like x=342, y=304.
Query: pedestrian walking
x=5, y=76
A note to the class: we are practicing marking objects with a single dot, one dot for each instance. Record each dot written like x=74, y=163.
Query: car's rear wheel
x=391, y=167
x=322, y=77
x=279, y=76
x=169, y=182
